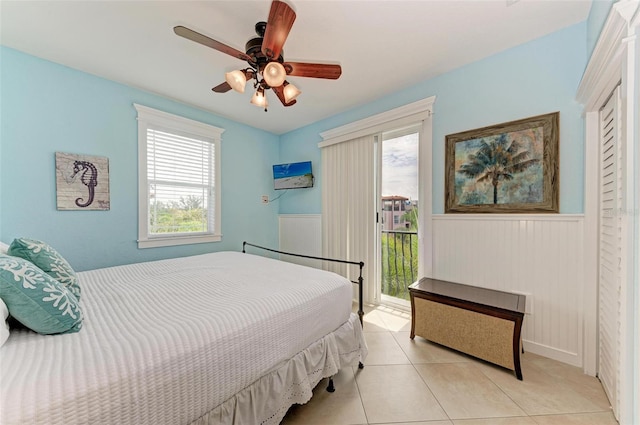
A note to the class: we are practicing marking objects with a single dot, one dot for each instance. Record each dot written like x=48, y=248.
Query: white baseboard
x=552, y=353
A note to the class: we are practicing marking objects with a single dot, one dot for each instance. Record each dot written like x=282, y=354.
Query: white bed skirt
x=267, y=400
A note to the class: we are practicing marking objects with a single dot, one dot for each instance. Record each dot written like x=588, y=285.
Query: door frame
x=615, y=59
x=411, y=113
x=416, y=127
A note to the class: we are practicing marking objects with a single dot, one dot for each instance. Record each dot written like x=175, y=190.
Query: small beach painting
x=510, y=167
x=294, y=175
x=82, y=182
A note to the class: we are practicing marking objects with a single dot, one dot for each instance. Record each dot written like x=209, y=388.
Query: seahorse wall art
x=82, y=182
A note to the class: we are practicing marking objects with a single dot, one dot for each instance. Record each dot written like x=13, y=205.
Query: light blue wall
x=48, y=108
x=597, y=17
x=532, y=79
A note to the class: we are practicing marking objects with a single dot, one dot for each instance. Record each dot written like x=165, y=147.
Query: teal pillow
x=37, y=300
x=48, y=260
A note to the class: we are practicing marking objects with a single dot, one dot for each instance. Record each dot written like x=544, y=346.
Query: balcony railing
x=399, y=262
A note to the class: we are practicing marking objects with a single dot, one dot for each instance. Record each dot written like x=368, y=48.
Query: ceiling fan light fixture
x=290, y=92
x=259, y=99
x=267, y=68
x=237, y=80
x=274, y=74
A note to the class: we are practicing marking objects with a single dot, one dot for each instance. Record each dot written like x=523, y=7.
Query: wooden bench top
x=475, y=294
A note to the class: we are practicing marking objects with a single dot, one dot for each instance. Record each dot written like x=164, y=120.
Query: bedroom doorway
x=398, y=212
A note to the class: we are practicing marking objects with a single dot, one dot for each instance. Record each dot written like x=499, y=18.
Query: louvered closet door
x=610, y=248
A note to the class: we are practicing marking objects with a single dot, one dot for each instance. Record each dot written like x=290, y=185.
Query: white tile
x=544, y=390
x=442, y=381
x=342, y=407
x=522, y=420
x=384, y=350
x=419, y=350
x=601, y=418
x=396, y=393
x=373, y=322
x=465, y=392
x=395, y=320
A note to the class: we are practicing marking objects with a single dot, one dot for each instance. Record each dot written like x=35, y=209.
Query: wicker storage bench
x=481, y=322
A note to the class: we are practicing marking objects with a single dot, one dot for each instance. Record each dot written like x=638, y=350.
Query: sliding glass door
x=398, y=211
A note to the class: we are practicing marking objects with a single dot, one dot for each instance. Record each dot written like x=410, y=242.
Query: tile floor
x=416, y=382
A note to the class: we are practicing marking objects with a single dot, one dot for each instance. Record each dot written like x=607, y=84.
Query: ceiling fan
x=267, y=67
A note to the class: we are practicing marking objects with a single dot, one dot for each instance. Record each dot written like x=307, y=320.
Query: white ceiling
x=382, y=46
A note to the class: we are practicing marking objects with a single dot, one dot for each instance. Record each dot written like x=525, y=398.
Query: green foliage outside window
x=183, y=216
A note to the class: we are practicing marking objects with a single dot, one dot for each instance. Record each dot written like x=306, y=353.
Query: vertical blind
x=181, y=183
x=348, y=206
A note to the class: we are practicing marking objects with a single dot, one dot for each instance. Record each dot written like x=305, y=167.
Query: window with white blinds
x=179, y=195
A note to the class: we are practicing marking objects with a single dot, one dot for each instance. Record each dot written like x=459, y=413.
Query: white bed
x=226, y=338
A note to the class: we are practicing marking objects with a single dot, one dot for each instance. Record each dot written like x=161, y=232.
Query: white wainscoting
x=301, y=234
x=539, y=255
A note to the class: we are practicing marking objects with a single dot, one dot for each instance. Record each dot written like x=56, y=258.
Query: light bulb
x=290, y=92
x=259, y=99
x=274, y=74
x=236, y=79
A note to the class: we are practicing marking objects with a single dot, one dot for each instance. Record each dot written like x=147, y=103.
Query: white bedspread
x=198, y=339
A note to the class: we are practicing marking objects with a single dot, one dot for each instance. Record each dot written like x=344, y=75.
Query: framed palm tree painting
x=504, y=168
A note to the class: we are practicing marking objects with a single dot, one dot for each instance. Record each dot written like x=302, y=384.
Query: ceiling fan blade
x=281, y=17
x=222, y=88
x=209, y=42
x=279, y=91
x=313, y=70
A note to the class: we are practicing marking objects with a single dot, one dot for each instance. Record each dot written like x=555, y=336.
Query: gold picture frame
x=504, y=168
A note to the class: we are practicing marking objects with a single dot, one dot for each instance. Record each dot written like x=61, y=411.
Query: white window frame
x=149, y=117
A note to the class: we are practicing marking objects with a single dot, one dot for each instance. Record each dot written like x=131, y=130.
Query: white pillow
x=3, y=248
x=4, y=326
